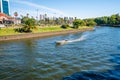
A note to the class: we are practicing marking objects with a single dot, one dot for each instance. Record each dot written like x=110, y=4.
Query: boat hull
x=61, y=42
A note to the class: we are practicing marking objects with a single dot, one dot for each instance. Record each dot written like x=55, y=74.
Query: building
x=5, y=7
x=5, y=19
x=16, y=21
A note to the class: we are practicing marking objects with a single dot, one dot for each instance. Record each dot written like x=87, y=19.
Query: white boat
x=61, y=42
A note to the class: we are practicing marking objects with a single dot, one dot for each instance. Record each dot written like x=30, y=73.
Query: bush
x=77, y=23
x=65, y=26
x=29, y=24
x=91, y=23
x=21, y=30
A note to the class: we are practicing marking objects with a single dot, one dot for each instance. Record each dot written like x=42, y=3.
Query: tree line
x=65, y=22
x=113, y=20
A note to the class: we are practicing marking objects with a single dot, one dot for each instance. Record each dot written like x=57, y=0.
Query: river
x=91, y=55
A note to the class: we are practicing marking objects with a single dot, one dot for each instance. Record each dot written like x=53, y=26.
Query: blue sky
x=71, y=8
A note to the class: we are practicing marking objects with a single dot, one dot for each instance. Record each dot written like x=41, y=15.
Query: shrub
x=23, y=30
x=78, y=23
x=29, y=24
x=91, y=23
x=65, y=26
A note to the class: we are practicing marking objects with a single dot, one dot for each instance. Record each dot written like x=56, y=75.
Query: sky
x=70, y=8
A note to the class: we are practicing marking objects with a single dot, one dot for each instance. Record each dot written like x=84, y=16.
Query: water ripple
x=96, y=57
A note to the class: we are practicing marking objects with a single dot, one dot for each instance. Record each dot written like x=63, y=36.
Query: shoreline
x=41, y=35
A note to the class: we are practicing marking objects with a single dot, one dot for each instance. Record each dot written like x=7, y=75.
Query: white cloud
x=41, y=7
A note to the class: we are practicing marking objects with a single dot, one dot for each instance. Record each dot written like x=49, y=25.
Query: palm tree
x=15, y=14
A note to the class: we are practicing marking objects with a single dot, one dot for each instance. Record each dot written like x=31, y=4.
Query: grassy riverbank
x=8, y=31
x=11, y=30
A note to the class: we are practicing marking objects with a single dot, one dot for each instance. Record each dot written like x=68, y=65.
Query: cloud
x=44, y=8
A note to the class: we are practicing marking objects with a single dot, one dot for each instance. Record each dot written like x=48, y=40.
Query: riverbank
x=42, y=34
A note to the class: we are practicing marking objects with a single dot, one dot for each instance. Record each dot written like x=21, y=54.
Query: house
x=5, y=19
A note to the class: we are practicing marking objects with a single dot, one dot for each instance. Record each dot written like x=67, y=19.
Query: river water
x=91, y=55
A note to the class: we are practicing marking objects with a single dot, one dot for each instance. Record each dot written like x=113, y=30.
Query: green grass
x=85, y=27
x=11, y=31
x=49, y=29
x=7, y=31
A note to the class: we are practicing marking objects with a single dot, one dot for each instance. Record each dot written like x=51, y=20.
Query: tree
x=91, y=23
x=101, y=20
x=117, y=19
x=24, y=19
x=113, y=20
x=15, y=14
x=77, y=23
x=29, y=24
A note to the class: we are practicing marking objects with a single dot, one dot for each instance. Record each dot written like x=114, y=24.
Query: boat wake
x=83, y=37
x=62, y=42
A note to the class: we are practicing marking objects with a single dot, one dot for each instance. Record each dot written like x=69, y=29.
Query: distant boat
x=62, y=42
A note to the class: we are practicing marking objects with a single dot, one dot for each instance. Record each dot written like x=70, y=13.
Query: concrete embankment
x=41, y=35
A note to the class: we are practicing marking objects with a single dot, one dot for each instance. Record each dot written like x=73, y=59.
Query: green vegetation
x=80, y=23
x=12, y=31
x=90, y=22
x=58, y=24
x=46, y=25
x=31, y=25
x=28, y=24
x=65, y=26
x=8, y=31
x=77, y=23
x=113, y=20
x=49, y=29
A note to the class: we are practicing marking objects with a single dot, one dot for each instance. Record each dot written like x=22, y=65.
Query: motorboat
x=61, y=42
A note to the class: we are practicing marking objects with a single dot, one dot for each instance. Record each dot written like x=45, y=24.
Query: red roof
x=2, y=14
